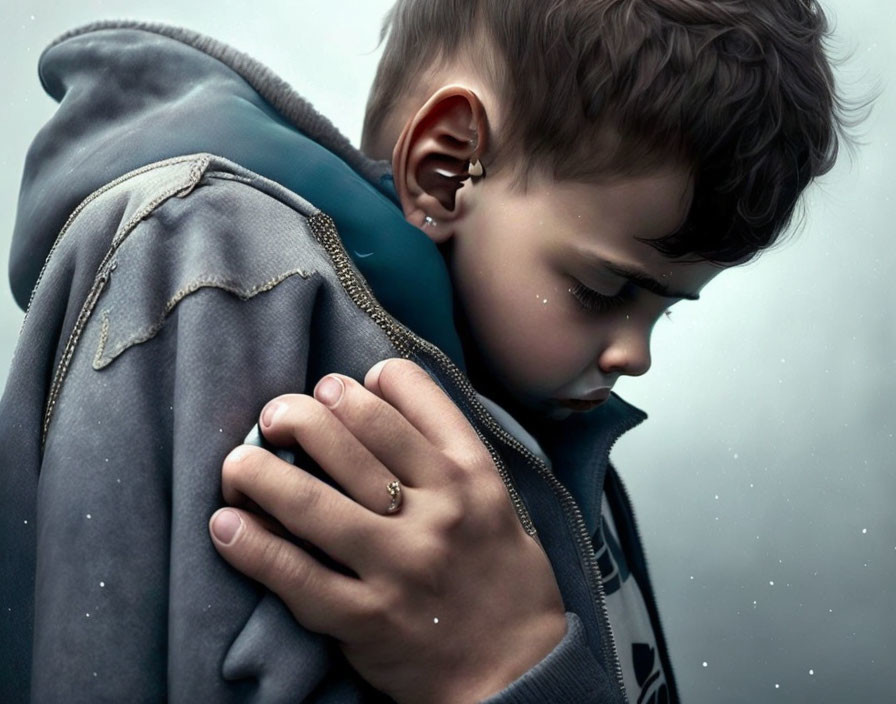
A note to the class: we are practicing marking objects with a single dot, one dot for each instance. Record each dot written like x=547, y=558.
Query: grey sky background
x=764, y=478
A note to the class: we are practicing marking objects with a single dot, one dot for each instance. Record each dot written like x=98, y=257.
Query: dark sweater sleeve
x=569, y=673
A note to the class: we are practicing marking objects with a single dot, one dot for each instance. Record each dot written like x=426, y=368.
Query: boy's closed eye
x=592, y=300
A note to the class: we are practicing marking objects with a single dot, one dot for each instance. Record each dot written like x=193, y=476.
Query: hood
x=131, y=94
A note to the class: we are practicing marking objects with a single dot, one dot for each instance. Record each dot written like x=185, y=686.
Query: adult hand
x=446, y=600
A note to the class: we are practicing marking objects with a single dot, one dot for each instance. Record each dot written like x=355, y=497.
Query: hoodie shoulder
x=132, y=94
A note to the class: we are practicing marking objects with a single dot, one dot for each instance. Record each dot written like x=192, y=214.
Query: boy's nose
x=627, y=353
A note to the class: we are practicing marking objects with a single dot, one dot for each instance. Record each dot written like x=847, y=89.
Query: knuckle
x=371, y=411
x=495, y=507
x=389, y=599
x=422, y=570
x=400, y=371
x=309, y=496
x=280, y=569
x=498, y=521
x=449, y=518
x=369, y=609
x=474, y=456
x=493, y=494
x=453, y=472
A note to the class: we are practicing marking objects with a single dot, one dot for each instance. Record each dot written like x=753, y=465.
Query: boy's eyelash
x=591, y=300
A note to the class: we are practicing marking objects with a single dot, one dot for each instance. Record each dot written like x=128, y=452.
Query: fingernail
x=373, y=374
x=271, y=412
x=237, y=454
x=225, y=525
x=329, y=390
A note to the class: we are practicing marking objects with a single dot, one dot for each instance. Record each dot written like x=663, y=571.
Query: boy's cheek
x=534, y=362
x=526, y=329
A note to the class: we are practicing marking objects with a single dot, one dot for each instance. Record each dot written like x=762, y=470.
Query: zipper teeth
x=405, y=341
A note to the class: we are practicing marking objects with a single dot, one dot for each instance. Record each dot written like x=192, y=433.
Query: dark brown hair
x=740, y=89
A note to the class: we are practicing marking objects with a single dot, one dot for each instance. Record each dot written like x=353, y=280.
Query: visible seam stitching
x=93, y=196
x=102, y=359
x=100, y=281
x=230, y=177
x=104, y=336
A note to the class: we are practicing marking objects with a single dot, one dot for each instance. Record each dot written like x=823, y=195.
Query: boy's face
x=558, y=293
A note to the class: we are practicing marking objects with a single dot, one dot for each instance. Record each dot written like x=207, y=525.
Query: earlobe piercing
x=475, y=170
x=429, y=222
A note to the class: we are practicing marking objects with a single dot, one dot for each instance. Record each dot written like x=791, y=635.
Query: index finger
x=412, y=392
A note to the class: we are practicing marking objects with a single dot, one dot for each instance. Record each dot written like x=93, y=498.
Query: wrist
x=519, y=652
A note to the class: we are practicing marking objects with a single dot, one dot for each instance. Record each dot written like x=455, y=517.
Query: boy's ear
x=432, y=158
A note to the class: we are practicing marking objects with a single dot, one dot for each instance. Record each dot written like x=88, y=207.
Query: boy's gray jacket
x=181, y=291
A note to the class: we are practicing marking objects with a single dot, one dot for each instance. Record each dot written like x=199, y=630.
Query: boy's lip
x=592, y=400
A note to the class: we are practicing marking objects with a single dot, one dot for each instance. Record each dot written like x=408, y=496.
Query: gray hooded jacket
x=180, y=292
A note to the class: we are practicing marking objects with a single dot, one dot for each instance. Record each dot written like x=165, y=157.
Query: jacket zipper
x=406, y=342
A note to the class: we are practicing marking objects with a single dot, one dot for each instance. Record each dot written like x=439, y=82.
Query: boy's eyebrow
x=645, y=281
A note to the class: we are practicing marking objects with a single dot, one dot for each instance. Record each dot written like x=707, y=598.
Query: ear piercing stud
x=475, y=169
x=429, y=222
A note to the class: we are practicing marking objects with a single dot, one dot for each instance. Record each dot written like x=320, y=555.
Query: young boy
x=542, y=181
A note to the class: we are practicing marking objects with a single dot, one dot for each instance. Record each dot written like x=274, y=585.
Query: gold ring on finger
x=394, y=489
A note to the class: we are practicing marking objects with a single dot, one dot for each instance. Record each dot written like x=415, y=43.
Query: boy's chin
x=519, y=402
x=550, y=409
x=554, y=412
x=535, y=408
